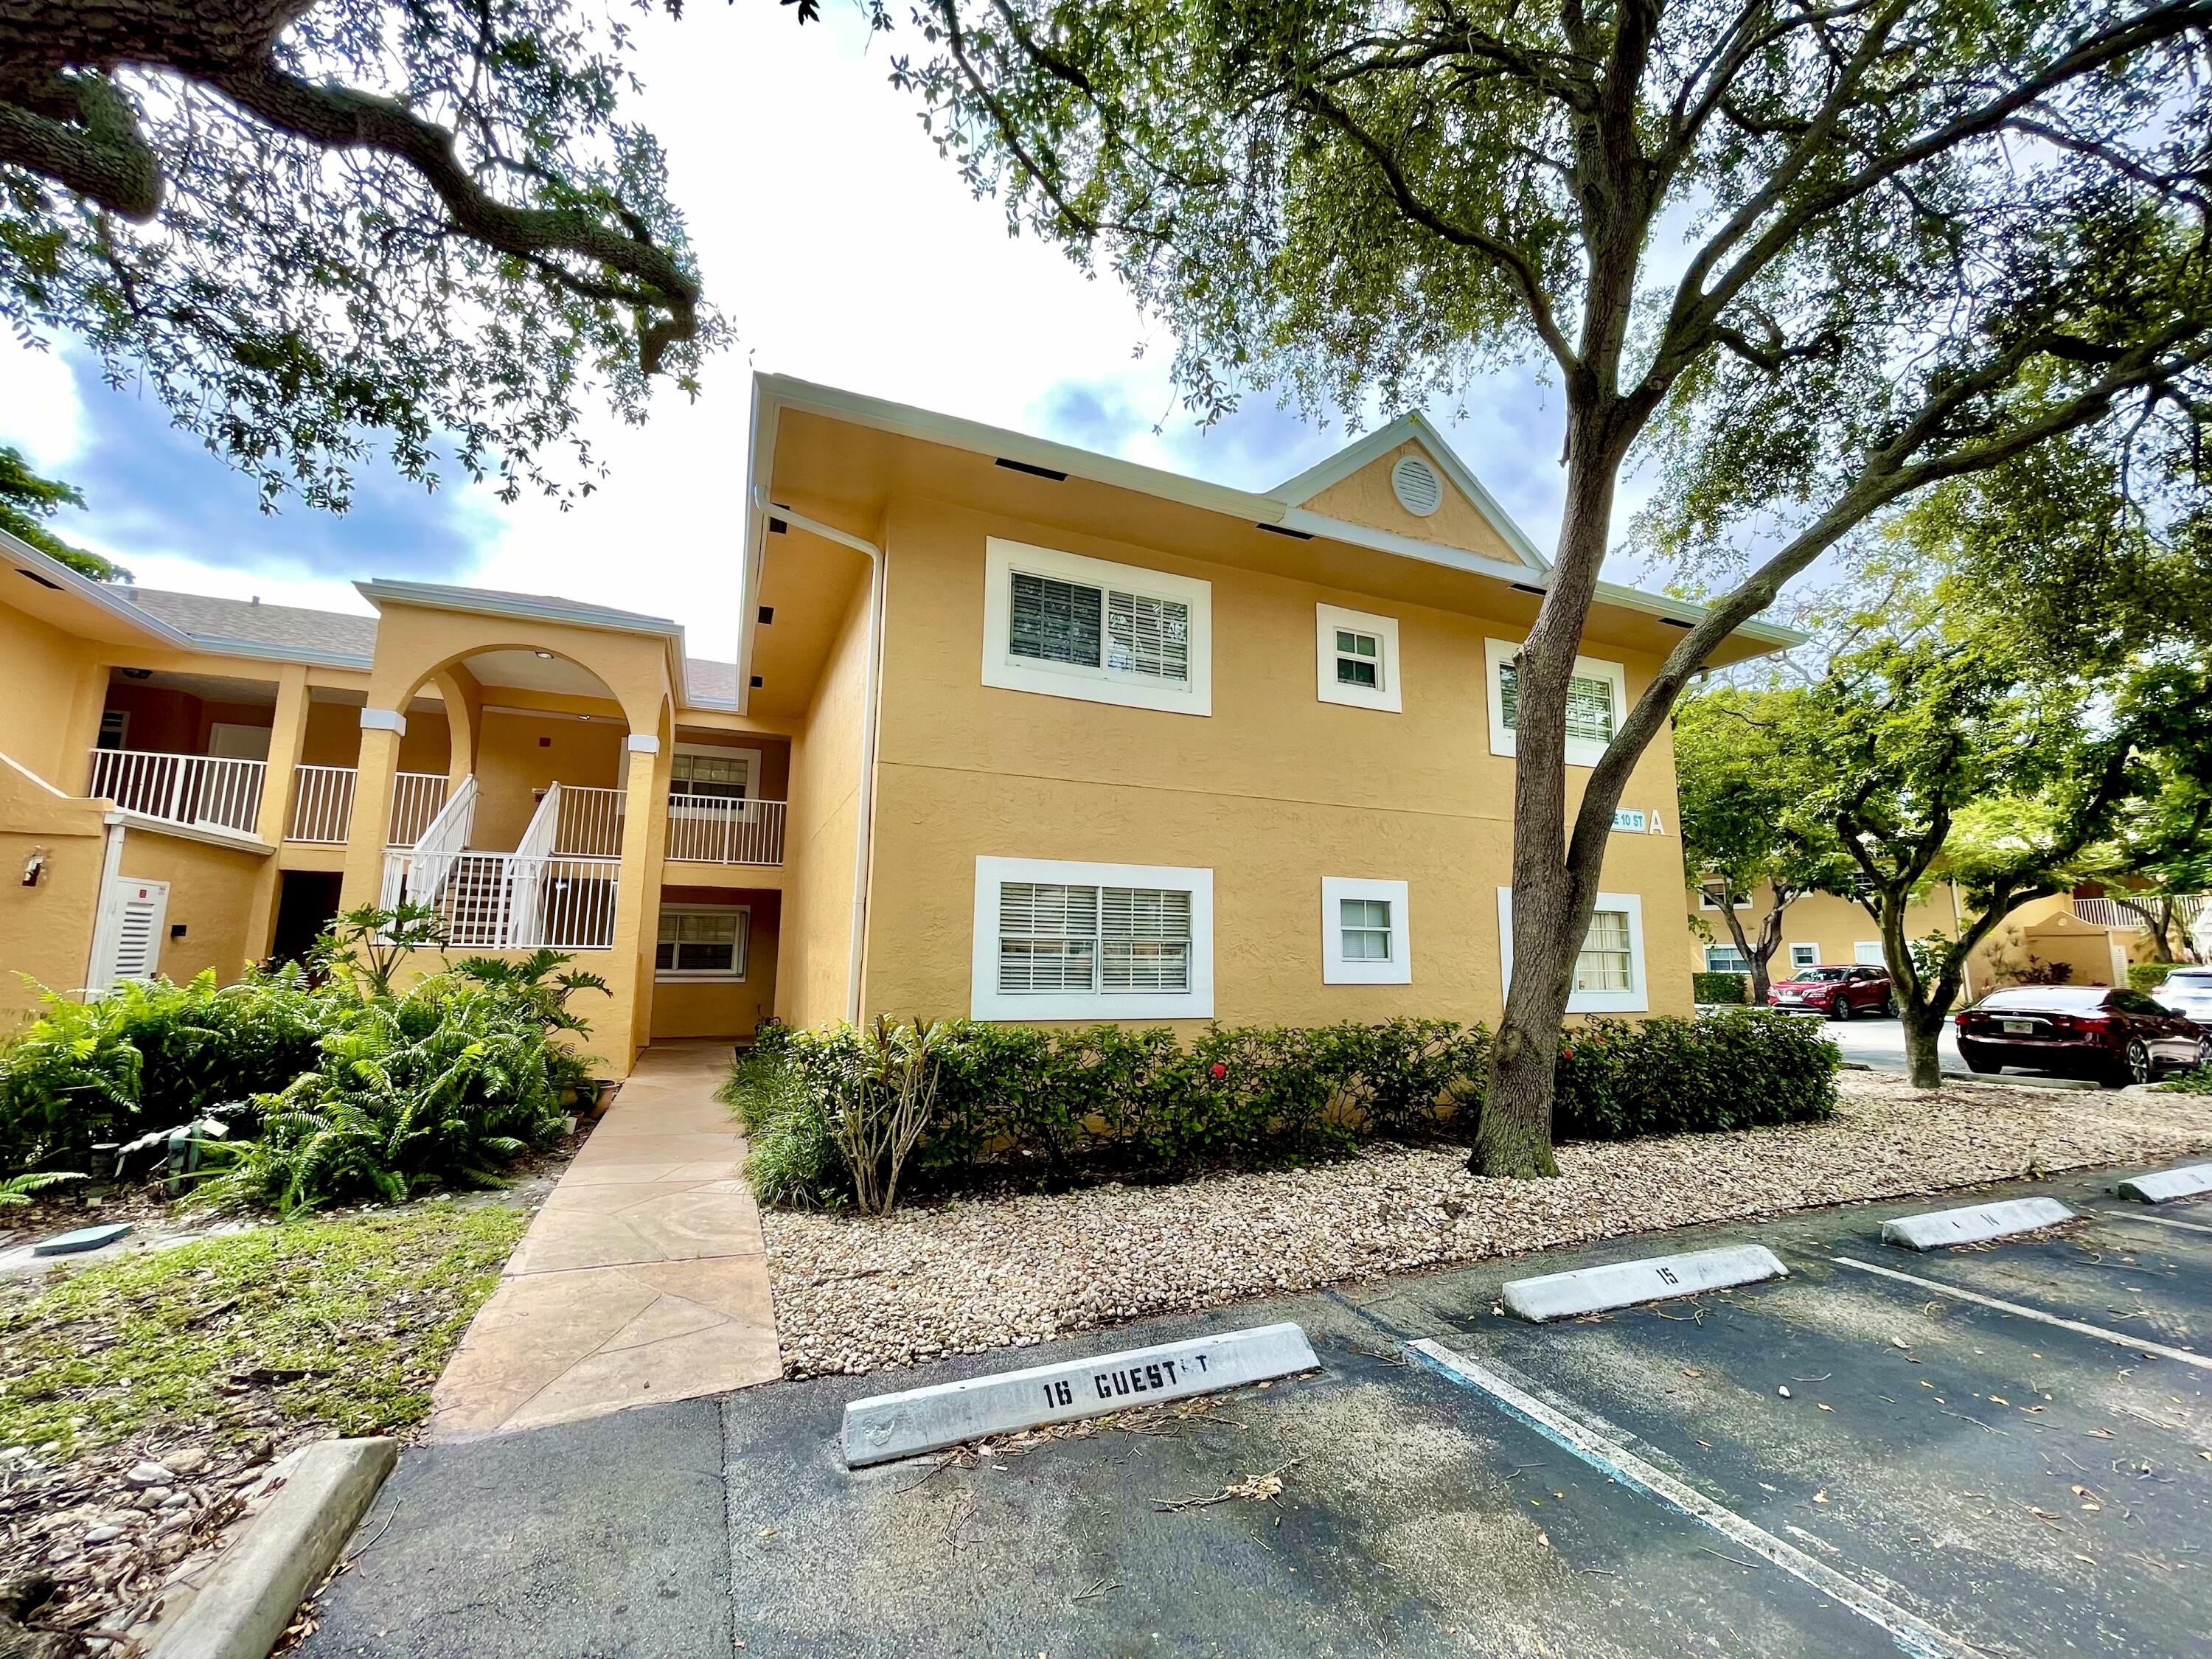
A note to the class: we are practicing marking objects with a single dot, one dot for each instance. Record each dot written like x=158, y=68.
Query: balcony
x=709, y=829
x=203, y=792
x=322, y=806
x=2109, y=913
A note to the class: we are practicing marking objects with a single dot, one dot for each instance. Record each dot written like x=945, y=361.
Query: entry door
x=137, y=913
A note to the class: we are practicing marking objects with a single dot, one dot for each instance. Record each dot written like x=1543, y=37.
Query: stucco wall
x=520, y=754
x=45, y=930
x=1273, y=792
x=211, y=891
x=825, y=771
x=172, y=722
x=1366, y=497
x=54, y=685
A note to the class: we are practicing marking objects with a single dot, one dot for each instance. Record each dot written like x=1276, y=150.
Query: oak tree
x=1812, y=256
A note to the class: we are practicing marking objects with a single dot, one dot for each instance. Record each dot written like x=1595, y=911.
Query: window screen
x=1055, y=621
x=1605, y=963
x=1366, y=924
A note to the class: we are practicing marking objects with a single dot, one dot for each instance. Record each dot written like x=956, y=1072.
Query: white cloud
x=41, y=413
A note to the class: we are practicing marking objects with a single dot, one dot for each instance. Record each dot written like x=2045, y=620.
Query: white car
x=2188, y=990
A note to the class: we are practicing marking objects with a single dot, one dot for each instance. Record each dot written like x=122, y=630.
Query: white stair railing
x=525, y=869
x=421, y=873
x=205, y=790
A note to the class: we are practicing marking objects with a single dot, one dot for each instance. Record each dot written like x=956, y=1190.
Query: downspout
x=871, y=697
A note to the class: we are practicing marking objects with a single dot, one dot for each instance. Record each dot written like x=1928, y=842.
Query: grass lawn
x=342, y=1325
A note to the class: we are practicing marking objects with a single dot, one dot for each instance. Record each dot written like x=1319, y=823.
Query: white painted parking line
x=889, y=1426
x=1911, y=1633
x=2160, y=1350
x=1625, y=1284
x=2152, y=1220
x=1972, y=1224
x=2160, y=1186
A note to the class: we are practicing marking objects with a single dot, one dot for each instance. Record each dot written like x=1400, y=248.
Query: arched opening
x=525, y=848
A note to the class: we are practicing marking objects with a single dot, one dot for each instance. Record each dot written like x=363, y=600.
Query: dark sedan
x=2115, y=1036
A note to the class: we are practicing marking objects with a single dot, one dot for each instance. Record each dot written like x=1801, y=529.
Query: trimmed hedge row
x=1030, y=1106
x=2148, y=975
x=1728, y=990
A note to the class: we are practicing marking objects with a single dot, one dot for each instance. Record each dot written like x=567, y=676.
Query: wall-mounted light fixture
x=34, y=866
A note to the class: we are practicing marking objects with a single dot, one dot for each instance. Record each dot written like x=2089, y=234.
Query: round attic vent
x=1414, y=482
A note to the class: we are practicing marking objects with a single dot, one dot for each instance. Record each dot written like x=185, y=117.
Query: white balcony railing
x=204, y=791
x=703, y=829
x=588, y=822
x=417, y=799
x=508, y=901
x=322, y=804
x=2109, y=913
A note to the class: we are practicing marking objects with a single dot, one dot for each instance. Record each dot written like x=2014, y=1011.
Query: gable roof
x=205, y=616
x=1418, y=429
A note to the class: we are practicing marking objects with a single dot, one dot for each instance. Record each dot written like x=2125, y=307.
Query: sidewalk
x=644, y=1278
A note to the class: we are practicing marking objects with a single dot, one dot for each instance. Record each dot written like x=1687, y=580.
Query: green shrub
x=2196, y=1082
x=2148, y=975
x=791, y=1158
x=147, y=1056
x=1736, y=1068
x=1724, y=989
x=433, y=1088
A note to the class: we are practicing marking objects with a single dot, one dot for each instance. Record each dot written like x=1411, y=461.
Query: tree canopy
x=27, y=501
x=303, y=224
x=1814, y=258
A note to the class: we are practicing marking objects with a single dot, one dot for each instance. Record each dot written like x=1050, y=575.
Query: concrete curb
x=261, y=1579
x=1974, y=1223
x=2191, y=1181
x=1625, y=1284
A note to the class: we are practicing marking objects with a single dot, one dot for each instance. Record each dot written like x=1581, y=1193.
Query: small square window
x=1359, y=659
x=1363, y=933
x=1804, y=955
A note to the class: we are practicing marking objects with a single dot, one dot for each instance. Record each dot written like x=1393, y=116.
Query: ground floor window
x=1867, y=952
x=1804, y=955
x=701, y=942
x=1363, y=935
x=1060, y=939
x=1725, y=959
x=1609, y=977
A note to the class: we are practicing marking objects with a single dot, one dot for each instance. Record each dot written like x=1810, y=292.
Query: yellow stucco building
x=1015, y=732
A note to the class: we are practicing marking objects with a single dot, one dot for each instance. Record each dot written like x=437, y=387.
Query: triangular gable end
x=1356, y=485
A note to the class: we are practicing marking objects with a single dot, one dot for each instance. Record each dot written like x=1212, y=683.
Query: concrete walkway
x=644, y=1278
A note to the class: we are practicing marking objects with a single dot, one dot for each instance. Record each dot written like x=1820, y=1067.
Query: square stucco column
x=380, y=731
x=638, y=913
x=287, y=735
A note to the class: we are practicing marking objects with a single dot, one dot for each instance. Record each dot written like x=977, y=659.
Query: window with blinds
x=1124, y=633
x=714, y=777
x=1589, y=705
x=1607, y=961
x=701, y=944
x=1056, y=936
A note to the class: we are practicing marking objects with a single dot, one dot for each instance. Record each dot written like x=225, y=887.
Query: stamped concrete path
x=643, y=1279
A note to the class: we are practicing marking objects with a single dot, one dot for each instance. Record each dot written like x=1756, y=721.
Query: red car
x=1840, y=992
x=2117, y=1036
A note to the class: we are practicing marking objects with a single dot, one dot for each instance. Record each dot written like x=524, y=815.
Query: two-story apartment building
x=1015, y=731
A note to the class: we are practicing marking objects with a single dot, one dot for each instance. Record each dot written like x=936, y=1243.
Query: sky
x=843, y=250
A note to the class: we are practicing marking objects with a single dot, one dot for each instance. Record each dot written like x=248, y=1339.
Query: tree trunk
x=1552, y=903
x=1923, y=1032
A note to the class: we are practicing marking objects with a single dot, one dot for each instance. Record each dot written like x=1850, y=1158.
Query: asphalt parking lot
x=1943, y=1477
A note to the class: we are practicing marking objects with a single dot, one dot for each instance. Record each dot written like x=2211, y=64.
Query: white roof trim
x=112, y=600
x=1415, y=427
x=213, y=834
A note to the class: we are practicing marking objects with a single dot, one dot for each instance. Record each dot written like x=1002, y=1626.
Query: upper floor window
x=710, y=773
x=1356, y=658
x=1597, y=696
x=1069, y=626
x=1056, y=939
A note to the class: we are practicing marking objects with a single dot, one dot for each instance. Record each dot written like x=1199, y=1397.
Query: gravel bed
x=855, y=1295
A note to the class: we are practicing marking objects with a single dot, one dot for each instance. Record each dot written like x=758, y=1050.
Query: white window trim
x=707, y=976
x=1385, y=693
x=1002, y=669
x=988, y=1001
x=1635, y=999
x=1733, y=951
x=1861, y=959
x=717, y=807
x=1334, y=969
x=1813, y=962
x=1580, y=751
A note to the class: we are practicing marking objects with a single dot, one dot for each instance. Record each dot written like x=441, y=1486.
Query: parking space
x=1840, y=1463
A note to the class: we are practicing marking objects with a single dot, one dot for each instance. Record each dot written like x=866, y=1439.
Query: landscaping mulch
x=146, y=1400
x=855, y=1295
